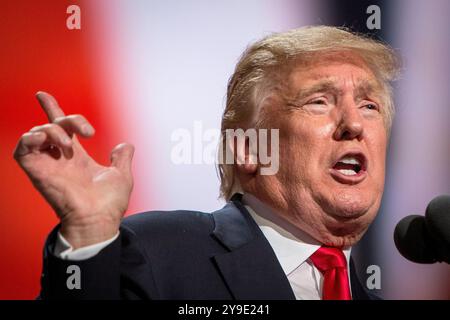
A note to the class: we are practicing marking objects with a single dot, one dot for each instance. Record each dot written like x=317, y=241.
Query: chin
x=341, y=241
x=347, y=228
x=348, y=204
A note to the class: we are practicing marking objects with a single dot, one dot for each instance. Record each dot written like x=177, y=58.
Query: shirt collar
x=291, y=245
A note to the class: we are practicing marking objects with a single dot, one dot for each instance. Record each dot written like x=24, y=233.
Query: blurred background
x=141, y=70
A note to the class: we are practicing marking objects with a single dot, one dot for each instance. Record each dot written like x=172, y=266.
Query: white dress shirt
x=292, y=248
x=64, y=250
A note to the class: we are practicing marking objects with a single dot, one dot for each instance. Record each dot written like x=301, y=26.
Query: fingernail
x=87, y=129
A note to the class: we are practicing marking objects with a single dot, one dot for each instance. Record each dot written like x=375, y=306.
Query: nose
x=350, y=123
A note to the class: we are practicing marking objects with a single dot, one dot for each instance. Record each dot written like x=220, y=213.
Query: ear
x=246, y=158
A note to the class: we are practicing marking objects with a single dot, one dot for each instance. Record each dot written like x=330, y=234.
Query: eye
x=371, y=106
x=317, y=101
x=318, y=105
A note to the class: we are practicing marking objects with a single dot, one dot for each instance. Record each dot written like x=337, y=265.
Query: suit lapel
x=250, y=267
x=358, y=291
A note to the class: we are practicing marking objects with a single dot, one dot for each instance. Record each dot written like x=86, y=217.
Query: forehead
x=344, y=69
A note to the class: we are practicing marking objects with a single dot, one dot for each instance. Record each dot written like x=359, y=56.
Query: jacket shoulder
x=170, y=224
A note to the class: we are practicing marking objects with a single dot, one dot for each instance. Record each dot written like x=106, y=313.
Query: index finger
x=50, y=105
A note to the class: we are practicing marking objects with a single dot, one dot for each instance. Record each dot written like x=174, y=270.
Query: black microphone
x=426, y=239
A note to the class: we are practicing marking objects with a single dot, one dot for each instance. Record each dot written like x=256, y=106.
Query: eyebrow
x=367, y=87
x=364, y=88
x=322, y=86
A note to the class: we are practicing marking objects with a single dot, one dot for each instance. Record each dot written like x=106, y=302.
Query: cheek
x=304, y=145
x=326, y=130
x=377, y=145
x=312, y=141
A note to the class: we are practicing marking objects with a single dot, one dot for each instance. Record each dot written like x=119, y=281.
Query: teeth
x=350, y=160
x=347, y=172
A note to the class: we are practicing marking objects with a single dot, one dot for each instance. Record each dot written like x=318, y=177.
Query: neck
x=269, y=216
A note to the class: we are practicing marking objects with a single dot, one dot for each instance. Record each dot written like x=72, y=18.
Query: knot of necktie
x=327, y=258
x=332, y=263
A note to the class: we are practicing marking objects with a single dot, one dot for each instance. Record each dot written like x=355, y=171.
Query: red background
x=38, y=52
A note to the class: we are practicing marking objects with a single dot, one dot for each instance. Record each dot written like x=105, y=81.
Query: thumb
x=121, y=157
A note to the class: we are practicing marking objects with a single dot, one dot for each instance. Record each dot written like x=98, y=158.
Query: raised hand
x=89, y=199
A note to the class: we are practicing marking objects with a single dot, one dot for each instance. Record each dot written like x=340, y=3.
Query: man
x=286, y=235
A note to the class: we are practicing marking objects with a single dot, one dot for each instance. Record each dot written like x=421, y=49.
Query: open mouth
x=350, y=168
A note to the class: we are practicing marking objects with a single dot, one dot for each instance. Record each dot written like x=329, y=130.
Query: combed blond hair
x=267, y=57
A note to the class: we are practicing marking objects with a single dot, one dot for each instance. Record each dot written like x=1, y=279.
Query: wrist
x=86, y=234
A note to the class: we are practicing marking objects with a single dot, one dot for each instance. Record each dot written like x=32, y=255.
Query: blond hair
x=265, y=58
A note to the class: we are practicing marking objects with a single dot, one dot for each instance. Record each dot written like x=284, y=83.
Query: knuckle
x=25, y=136
x=35, y=128
x=76, y=117
x=52, y=128
x=70, y=122
x=44, y=127
x=60, y=120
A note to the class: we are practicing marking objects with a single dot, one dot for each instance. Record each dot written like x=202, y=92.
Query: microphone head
x=411, y=240
x=437, y=219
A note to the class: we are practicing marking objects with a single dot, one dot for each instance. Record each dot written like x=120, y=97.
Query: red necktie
x=332, y=264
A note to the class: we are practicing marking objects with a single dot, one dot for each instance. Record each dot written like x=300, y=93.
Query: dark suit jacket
x=179, y=255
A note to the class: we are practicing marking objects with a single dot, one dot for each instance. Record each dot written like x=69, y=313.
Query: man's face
x=332, y=149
